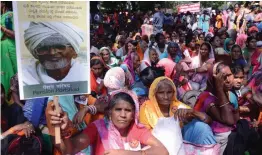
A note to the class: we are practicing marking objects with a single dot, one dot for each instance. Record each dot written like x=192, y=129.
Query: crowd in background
x=202, y=71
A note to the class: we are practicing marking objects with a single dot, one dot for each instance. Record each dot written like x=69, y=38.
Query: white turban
x=38, y=31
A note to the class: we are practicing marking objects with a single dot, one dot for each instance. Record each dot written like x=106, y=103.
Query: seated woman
x=131, y=66
x=151, y=58
x=98, y=71
x=215, y=101
x=228, y=44
x=169, y=66
x=189, y=50
x=249, y=104
x=216, y=44
x=163, y=103
x=200, y=67
x=256, y=58
x=173, y=52
x=13, y=122
x=248, y=52
x=237, y=56
x=118, y=133
x=108, y=57
x=14, y=91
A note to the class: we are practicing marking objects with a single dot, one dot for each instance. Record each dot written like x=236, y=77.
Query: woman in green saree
x=8, y=52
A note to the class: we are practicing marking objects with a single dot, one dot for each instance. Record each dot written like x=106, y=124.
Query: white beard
x=53, y=65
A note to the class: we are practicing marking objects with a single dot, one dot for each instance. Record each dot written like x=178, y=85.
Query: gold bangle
x=224, y=104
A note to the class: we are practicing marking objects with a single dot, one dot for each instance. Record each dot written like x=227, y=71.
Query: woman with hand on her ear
x=218, y=104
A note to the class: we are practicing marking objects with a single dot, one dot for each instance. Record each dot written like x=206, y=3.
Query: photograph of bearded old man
x=55, y=47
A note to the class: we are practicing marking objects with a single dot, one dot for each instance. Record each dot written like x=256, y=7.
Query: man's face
x=238, y=80
x=162, y=39
x=55, y=57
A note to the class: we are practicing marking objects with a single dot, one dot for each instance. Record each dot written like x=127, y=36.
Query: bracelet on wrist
x=224, y=104
x=91, y=109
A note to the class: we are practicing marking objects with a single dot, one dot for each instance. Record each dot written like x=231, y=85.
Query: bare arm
x=16, y=98
x=8, y=33
x=188, y=114
x=75, y=144
x=223, y=112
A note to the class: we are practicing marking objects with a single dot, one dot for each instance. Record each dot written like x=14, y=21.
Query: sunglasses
x=43, y=50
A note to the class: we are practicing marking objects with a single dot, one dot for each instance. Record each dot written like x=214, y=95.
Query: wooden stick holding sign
x=57, y=127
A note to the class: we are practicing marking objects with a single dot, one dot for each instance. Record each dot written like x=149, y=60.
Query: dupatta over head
x=151, y=108
x=110, y=136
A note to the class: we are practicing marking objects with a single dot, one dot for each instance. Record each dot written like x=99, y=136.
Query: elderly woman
x=98, y=71
x=118, y=133
x=163, y=103
x=108, y=57
x=217, y=102
x=151, y=58
x=114, y=81
x=173, y=52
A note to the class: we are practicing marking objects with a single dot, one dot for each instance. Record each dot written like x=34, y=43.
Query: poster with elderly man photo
x=52, y=48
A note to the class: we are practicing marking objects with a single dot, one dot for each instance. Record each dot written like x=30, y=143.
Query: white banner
x=195, y=7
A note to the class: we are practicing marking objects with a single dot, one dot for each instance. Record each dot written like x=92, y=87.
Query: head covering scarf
x=226, y=43
x=114, y=79
x=168, y=65
x=113, y=62
x=129, y=60
x=93, y=79
x=39, y=31
x=256, y=58
x=151, y=109
x=110, y=136
x=146, y=60
x=197, y=62
x=241, y=40
x=179, y=52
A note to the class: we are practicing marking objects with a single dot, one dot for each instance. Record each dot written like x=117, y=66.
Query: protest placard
x=193, y=7
x=52, y=47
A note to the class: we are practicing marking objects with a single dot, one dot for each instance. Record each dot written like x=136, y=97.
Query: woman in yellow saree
x=152, y=109
x=163, y=103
